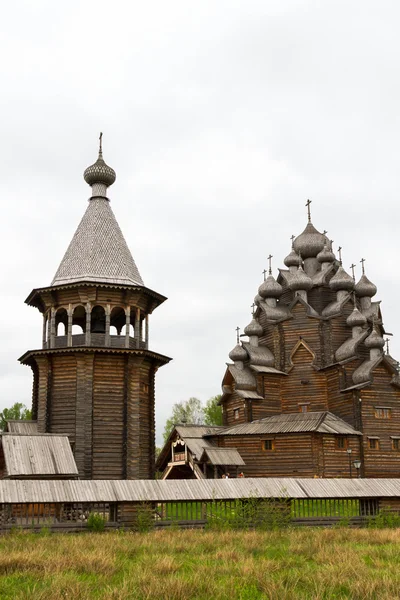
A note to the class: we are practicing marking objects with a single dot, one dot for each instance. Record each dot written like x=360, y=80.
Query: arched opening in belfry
x=98, y=320
x=61, y=322
x=117, y=320
x=79, y=320
x=130, y=329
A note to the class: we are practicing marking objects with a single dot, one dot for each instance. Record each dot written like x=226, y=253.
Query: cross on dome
x=309, y=210
x=269, y=261
x=352, y=267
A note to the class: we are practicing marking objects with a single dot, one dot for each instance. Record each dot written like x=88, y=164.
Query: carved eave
x=311, y=312
x=244, y=378
x=335, y=308
x=348, y=350
x=41, y=298
x=319, y=278
x=266, y=370
x=29, y=357
x=303, y=343
x=274, y=314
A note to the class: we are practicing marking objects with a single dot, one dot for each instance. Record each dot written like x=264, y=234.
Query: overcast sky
x=221, y=118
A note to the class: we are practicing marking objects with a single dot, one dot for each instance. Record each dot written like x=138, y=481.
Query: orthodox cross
x=352, y=267
x=340, y=254
x=252, y=308
x=269, y=268
x=264, y=272
x=387, y=345
x=237, y=334
x=362, y=261
x=100, y=142
x=309, y=210
x=293, y=237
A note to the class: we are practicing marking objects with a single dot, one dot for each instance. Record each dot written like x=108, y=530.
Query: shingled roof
x=319, y=422
x=98, y=251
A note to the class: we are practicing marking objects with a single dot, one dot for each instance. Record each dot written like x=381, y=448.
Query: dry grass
x=183, y=565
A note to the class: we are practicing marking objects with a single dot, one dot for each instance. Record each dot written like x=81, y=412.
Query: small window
x=382, y=412
x=341, y=443
x=236, y=413
x=145, y=388
x=396, y=444
x=268, y=445
x=304, y=408
x=373, y=443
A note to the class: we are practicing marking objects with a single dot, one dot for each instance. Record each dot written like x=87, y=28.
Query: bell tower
x=94, y=377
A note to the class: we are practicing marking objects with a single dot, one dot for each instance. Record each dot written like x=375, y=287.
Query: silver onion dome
x=356, y=318
x=310, y=242
x=253, y=328
x=99, y=172
x=292, y=259
x=341, y=281
x=374, y=340
x=238, y=353
x=326, y=255
x=270, y=288
x=300, y=281
x=365, y=287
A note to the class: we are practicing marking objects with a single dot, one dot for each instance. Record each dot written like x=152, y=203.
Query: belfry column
x=108, y=317
x=69, y=331
x=52, y=327
x=44, y=330
x=127, y=323
x=147, y=332
x=88, y=324
x=137, y=328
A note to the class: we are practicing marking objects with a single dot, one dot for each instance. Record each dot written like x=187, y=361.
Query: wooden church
x=93, y=377
x=310, y=391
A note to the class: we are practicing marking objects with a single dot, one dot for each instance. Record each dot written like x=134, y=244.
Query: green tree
x=190, y=412
x=212, y=411
x=16, y=412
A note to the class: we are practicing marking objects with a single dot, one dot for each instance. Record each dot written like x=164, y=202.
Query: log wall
x=108, y=417
x=385, y=461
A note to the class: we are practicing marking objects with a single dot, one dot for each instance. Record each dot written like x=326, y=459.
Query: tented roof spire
x=98, y=251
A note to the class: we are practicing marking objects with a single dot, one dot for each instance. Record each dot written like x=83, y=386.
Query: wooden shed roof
x=320, y=422
x=21, y=427
x=38, y=455
x=13, y=491
x=222, y=456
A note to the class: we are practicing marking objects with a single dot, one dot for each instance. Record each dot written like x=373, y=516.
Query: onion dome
x=253, y=328
x=374, y=340
x=326, y=255
x=99, y=172
x=310, y=242
x=300, y=281
x=257, y=299
x=292, y=259
x=365, y=287
x=238, y=353
x=356, y=319
x=270, y=288
x=341, y=281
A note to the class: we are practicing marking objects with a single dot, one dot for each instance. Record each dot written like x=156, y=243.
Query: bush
x=385, y=519
x=96, y=522
x=252, y=513
x=145, y=518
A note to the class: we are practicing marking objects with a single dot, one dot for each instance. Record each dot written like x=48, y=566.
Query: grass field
x=193, y=564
